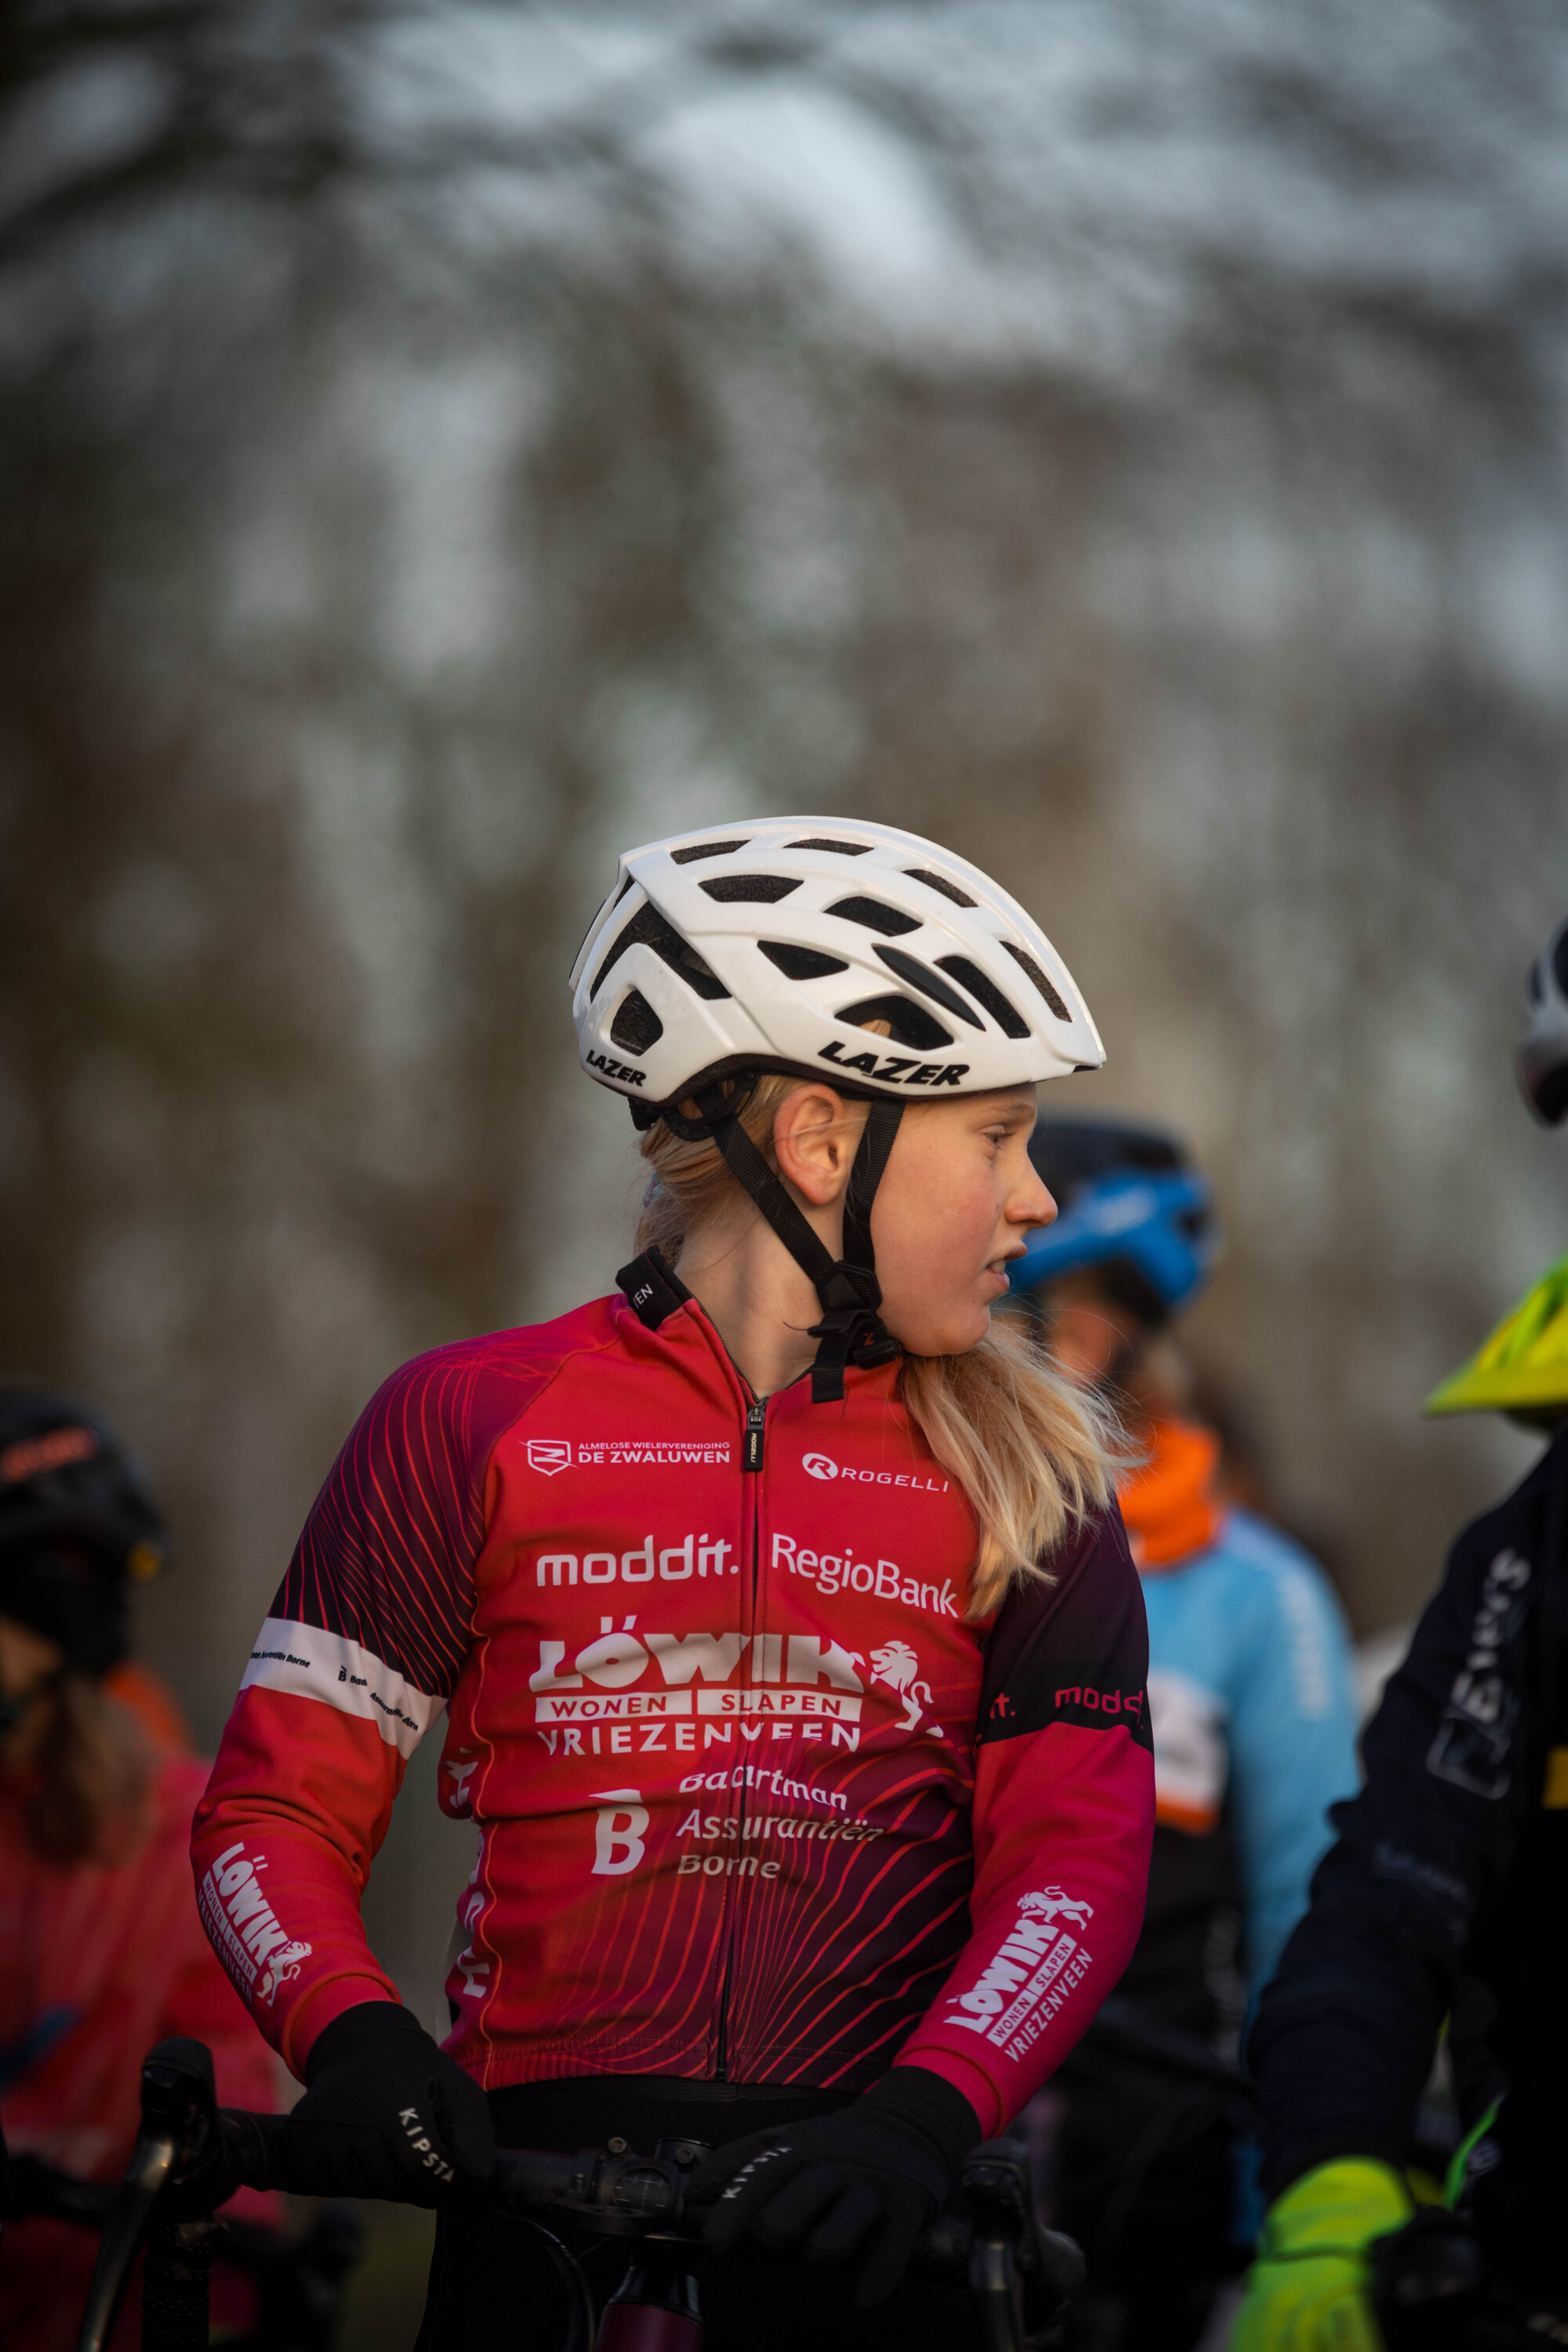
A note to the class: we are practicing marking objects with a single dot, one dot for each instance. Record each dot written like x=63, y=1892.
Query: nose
x=1034, y=1206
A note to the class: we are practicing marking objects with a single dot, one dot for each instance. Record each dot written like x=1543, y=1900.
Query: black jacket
x=1451, y=1864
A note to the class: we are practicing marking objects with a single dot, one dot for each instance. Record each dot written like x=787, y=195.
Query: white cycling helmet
x=772, y=946
x=777, y=945
x=1542, y=1057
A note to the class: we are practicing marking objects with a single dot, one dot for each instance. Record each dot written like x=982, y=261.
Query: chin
x=956, y=1339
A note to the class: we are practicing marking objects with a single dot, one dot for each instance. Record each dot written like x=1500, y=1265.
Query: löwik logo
x=259, y=1954
x=1035, y=1968
x=896, y=1665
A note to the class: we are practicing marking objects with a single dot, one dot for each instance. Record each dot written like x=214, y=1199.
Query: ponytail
x=94, y=1768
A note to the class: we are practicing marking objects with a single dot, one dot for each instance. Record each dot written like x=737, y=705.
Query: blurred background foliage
x=442, y=444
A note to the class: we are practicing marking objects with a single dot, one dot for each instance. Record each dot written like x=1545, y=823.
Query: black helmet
x=1132, y=1206
x=1542, y=1055
x=77, y=1524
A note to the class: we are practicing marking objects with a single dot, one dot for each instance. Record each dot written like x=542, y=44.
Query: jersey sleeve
x=198, y=1999
x=1292, y=1741
x=1064, y=1819
x=360, y=1653
x=1455, y=1760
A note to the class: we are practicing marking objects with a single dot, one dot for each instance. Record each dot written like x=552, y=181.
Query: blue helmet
x=1131, y=1205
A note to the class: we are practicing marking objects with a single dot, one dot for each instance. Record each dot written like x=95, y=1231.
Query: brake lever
x=179, y=2123
x=1021, y=2275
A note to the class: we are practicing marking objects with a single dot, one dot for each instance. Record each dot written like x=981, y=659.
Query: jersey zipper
x=752, y=1450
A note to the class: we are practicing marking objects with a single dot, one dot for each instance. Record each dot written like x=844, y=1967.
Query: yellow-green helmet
x=1523, y=1369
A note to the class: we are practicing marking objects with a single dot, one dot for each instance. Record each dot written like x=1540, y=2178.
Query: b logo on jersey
x=550, y=1454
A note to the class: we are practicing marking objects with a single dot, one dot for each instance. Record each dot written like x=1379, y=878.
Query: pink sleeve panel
x=1065, y=1819
x=297, y=1806
x=1064, y=1822
x=362, y=1649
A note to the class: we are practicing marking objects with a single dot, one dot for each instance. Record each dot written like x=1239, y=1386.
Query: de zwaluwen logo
x=550, y=1454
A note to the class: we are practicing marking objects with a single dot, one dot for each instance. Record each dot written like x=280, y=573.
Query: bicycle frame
x=190, y=2158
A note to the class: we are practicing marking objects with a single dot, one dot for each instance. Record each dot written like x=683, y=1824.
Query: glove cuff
x=355, y=2028
x=1337, y=2208
x=929, y=2104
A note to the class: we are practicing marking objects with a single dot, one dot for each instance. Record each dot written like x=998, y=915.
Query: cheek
x=934, y=1233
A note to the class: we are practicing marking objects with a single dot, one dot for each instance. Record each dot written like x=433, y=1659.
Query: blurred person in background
x=1442, y=1909
x=102, y=1953
x=1254, y=1724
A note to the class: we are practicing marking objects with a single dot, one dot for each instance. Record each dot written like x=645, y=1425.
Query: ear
x=815, y=1134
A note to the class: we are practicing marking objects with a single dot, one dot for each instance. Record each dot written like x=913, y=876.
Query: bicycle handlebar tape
x=1310, y=2288
x=387, y=2114
x=857, y=2186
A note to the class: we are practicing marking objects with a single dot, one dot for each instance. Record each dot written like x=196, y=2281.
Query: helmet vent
x=908, y=1024
x=875, y=916
x=696, y=849
x=1006, y=1017
x=908, y=968
x=940, y=882
x=1039, y=977
x=762, y=890
x=636, y=1027
x=839, y=848
x=801, y=963
x=648, y=928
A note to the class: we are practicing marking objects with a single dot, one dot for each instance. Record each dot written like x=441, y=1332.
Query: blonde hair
x=1033, y=1455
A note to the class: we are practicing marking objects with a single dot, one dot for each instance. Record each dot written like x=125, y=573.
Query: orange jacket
x=97, y=1963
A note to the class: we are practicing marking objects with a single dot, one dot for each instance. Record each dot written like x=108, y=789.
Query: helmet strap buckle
x=851, y=1330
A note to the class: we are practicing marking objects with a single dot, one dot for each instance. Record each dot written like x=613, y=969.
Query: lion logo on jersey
x=282, y=1970
x=896, y=1665
x=1050, y=1903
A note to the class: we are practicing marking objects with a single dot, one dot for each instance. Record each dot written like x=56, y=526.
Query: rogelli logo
x=823, y=1465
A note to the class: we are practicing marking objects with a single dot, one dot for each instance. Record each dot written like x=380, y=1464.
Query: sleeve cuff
x=320, y=2005
x=961, y=2074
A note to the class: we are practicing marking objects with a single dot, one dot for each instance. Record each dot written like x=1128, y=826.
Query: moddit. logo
x=818, y=1466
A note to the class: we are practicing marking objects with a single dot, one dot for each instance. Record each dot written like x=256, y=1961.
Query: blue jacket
x=1253, y=1714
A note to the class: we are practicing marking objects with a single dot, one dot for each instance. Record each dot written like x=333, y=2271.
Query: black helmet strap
x=850, y=1331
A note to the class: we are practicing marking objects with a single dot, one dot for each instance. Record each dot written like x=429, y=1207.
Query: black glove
x=863, y=2181
x=386, y=2112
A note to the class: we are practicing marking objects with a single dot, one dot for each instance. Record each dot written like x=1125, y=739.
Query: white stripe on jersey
x=309, y=1664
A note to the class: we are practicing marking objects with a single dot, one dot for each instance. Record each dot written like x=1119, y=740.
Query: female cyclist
x=793, y=1657
x=100, y=1950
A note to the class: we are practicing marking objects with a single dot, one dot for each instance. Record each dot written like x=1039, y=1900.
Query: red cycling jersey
x=753, y=1800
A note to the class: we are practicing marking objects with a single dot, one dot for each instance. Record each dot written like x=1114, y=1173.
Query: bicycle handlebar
x=192, y=2156
x=631, y=2192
